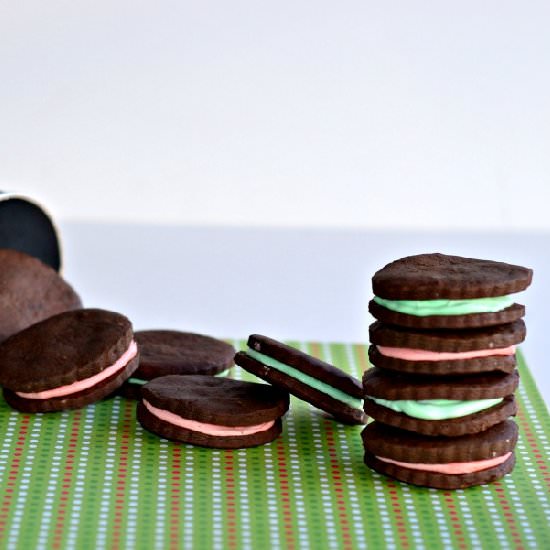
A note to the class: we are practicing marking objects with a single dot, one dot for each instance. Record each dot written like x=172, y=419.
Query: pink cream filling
x=203, y=427
x=452, y=467
x=409, y=354
x=86, y=383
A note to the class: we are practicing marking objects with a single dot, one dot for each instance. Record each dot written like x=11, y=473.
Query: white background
x=312, y=142
x=393, y=114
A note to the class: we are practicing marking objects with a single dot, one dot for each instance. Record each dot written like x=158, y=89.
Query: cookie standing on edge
x=165, y=352
x=323, y=385
x=439, y=291
x=30, y=291
x=445, y=352
x=212, y=412
x=441, y=462
x=67, y=361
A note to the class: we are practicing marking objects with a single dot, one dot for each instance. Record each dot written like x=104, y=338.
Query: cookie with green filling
x=166, y=352
x=442, y=406
x=441, y=291
x=304, y=376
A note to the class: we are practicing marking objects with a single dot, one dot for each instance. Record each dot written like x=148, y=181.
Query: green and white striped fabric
x=93, y=478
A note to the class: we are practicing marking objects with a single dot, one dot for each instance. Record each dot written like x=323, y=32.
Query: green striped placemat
x=93, y=478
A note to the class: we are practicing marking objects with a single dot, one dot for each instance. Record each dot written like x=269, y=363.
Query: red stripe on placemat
x=66, y=481
x=397, y=514
x=284, y=494
x=122, y=475
x=13, y=472
x=335, y=472
x=508, y=516
x=532, y=441
x=175, y=499
x=336, y=478
x=230, y=507
x=455, y=521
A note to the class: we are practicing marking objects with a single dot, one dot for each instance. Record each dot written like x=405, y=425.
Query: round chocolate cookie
x=445, y=353
x=321, y=384
x=67, y=361
x=441, y=462
x=440, y=291
x=449, y=406
x=212, y=412
x=164, y=352
x=30, y=291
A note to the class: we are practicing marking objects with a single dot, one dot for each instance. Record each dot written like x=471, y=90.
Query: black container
x=26, y=226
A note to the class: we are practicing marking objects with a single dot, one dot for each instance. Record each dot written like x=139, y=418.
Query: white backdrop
x=351, y=113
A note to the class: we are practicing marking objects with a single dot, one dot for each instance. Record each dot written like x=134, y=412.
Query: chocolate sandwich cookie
x=30, y=291
x=164, y=352
x=67, y=361
x=441, y=462
x=319, y=383
x=445, y=352
x=439, y=291
x=212, y=412
x=448, y=406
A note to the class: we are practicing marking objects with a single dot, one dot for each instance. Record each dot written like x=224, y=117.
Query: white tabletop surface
x=302, y=284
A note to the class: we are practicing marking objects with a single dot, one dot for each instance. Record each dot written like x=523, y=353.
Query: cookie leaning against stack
x=304, y=376
x=443, y=350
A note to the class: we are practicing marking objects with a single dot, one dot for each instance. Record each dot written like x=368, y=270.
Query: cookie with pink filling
x=212, y=412
x=445, y=352
x=67, y=361
x=441, y=462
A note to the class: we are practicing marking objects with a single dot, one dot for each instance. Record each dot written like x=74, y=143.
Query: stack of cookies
x=441, y=389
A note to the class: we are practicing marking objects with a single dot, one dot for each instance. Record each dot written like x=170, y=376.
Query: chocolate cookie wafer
x=441, y=462
x=165, y=352
x=212, y=412
x=30, y=291
x=445, y=352
x=448, y=406
x=440, y=291
x=319, y=383
x=67, y=361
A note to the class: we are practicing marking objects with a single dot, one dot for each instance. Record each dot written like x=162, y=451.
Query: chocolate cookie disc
x=67, y=361
x=212, y=412
x=445, y=352
x=447, y=292
x=165, y=352
x=441, y=462
x=449, y=406
x=30, y=291
x=317, y=382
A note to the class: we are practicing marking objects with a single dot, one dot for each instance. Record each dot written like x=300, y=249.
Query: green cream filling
x=335, y=393
x=423, y=308
x=437, y=409
x=141, y=382
x=223, y=373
